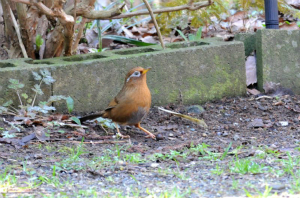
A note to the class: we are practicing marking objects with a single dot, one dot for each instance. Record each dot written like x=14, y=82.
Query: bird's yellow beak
x=146, y=70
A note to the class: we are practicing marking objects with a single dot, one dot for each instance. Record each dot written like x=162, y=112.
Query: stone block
x=278, y=58
x=249, y=40
x=189, y=72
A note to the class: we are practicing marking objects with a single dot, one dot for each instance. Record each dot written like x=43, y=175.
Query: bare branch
x=104, y=14
x=74, y=15
x=68, y=23
x=155, y=23
x=23, y=1
x=44, y=9
x=79, y=34
x=89, y=12
x=115, y=13
x=192, y=7
x=23, y=22
x=18, y=33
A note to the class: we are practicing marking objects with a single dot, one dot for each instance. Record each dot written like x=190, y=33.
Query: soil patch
x=251, y=147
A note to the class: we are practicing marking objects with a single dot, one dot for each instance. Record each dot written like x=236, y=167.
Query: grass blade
x=127, y=40
x=182, y=35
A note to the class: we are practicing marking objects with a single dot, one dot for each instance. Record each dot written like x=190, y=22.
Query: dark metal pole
x=271, y=14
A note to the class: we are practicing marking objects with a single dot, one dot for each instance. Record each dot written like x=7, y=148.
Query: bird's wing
x=112, y=104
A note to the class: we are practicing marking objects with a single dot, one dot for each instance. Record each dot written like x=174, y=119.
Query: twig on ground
x=72, y=125
x=104, y=129
x=195, y=120
x=261, y=97
x=91, y=142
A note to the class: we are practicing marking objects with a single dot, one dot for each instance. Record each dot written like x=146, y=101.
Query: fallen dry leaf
x=236, y=17
x=254, y=92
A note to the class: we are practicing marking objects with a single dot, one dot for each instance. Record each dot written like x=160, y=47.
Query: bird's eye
x=135, y=74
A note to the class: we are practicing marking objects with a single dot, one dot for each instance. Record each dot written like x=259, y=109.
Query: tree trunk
x=12, y=46
x=54, y=43
x=8, y=24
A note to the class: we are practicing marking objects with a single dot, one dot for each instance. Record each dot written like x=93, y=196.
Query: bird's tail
x=91, y=116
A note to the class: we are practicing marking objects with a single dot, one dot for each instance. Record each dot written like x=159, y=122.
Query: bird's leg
x=120, y=134
x=149, y=134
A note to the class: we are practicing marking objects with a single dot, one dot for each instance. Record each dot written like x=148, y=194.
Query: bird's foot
x=119, y=135
x=150, y=135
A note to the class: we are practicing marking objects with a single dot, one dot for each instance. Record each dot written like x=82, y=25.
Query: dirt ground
x=186, y=161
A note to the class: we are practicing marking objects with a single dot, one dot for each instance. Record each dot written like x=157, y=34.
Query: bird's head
x=136, y=74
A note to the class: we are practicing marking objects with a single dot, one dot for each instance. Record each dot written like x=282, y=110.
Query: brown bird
x=132, y=103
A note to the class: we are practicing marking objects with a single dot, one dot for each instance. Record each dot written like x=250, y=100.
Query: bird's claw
x=151, y=136
x=119, y=135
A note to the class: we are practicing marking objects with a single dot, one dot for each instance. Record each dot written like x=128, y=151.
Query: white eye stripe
x=134, y=74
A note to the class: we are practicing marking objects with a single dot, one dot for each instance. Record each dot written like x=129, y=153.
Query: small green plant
x=265, y=194
x=88, y=193
x=205, y=154
x=295, y=183
x=173, y=155
x=76, y=120
x=172, y=193
x=133, y=158
x=70, y=104
x=264, y=152
x=38, y=42
x=107, y=123
x=197, y=18
x=7, y=134
x=7, y=179
x=27, y=104
x=217, y=170
x=28, y=171
x=200, y=148
x=133, y=177
x=72, y=159
x=226, y=151
x=191, y=37
x=289, y=165
x=235, y=184
x=244, y=166
x=53, y=179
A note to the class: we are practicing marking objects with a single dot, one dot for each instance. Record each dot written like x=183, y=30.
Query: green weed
x=245, y=166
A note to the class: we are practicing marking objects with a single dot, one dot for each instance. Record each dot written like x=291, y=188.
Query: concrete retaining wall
x=192, y=72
